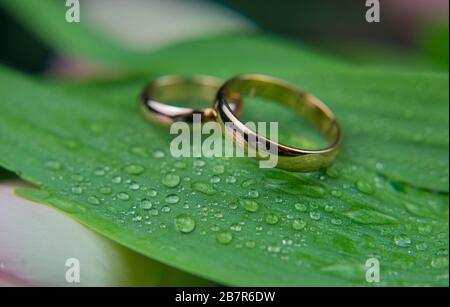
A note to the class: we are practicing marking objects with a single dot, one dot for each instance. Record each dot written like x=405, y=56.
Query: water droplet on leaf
x=203, y=187
x=218, y=169
x=146, y=204
x=272, y=219
x=224, y=237
x=93, y=200
x=171, y=180
x=184, y=223
x=172, y=199
x=300, y=207
x=364, y=187
x=123, y=196
x=298, y=224
x=249, y=205
x=134, y=169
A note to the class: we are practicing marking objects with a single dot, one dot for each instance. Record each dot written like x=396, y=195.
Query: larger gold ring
x=316, y=112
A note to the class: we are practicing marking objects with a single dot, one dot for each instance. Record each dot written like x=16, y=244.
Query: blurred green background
x=411, y=32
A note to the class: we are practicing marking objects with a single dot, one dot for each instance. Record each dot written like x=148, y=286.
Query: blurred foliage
x=434, y=43
x=20, y=48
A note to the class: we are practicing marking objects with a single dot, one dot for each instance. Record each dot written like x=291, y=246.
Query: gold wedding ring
x=227, y=107
x=304, y=104
x=156, y=100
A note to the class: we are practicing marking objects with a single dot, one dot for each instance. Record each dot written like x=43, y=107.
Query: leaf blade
x=100, y=129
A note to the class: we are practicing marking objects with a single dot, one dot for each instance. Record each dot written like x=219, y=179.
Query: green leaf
x=385, y=197
x=434, y=43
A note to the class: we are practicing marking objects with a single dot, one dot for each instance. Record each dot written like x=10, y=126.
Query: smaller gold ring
x=310, y=107
x=180, y=88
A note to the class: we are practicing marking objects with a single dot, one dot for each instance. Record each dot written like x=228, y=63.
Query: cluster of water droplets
x=279, y=213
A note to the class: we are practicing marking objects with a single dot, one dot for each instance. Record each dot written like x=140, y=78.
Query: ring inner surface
x=184, y=92
x=312, y=109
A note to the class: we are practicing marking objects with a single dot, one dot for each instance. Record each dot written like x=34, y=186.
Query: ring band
x=310, y=107
x=181, y=88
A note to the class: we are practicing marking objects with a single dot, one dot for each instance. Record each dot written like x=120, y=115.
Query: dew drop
x=248, y=182
x=215, y=228
x=199, y=163
x=153, y=212
x=116, y=179
x=123, y=196
x=336, y=222
x=249, y=205
x=236, y=227
x=139, y=151
x=171, y=180
x=273, y=249
x=218, y=169
x=328, y=208
x=172, y=199
x=77, y=190
x=158, y=154
x=165, y=209
x=231, y=179
x=287, y=242
x=314, y=191
x=93, y=200
x=272, y=219
x=298, y=224
x=300, y=207
x=180, y=164
x=232, y=206
x=99, y=172
x=184, y=223
x=215, y=179
x=137, y=218
x=253, y=194
x=134, y=169
x=146, y=204
x=203, y=187
x=336, y=193
x=364, y=187
x=379, y=166
x=134, y=186
x=152, y=193
x=224, y=237
x=315, y=215
x=105, y=190
x=250, y=244
x=218, y=215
